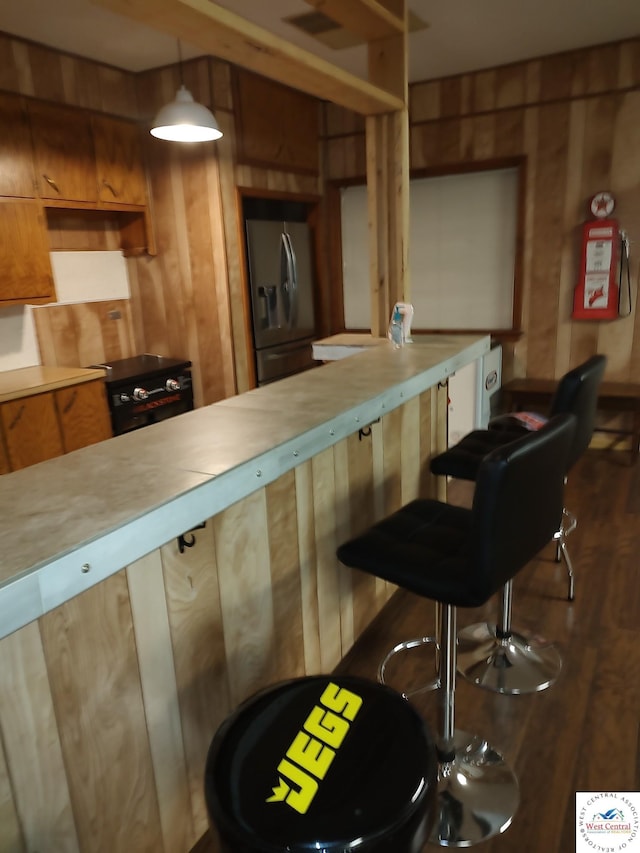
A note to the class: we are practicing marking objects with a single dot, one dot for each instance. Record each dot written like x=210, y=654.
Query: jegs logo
x=314, y=747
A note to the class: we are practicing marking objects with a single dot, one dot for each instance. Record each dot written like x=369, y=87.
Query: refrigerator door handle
x=289, y=280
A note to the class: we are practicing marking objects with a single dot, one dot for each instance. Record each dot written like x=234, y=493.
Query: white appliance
x=470, y=394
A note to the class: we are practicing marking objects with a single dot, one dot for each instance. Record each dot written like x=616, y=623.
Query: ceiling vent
x=333, y=35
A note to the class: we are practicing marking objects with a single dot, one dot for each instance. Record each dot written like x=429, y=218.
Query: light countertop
x=70, y=522
x=35, y=380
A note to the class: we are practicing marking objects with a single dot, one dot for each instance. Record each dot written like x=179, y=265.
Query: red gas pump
x=604, y=248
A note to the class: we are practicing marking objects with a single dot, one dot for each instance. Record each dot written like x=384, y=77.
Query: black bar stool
x=330, y=763
x=460, y=558
x=495, y=656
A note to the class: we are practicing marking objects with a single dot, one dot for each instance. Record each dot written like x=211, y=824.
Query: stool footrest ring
x=404, y=646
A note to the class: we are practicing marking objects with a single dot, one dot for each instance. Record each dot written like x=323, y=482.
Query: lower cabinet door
x=84, y=414
x=31, y=431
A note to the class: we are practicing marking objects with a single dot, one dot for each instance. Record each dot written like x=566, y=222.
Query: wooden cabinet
x=4, y=459
x=64, y=157
x=25, y=266
x=119, y=164
x=41, y=426
x=278, y=126
x=16, y=159
x=83, y=415
x=30, y=426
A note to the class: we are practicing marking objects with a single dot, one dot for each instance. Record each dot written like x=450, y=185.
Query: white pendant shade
x=184, y=120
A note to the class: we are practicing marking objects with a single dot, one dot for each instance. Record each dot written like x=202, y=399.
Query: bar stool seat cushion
x=463, y=459
x=331, y=763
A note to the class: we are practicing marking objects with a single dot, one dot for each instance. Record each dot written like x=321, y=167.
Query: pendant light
x=185, y=120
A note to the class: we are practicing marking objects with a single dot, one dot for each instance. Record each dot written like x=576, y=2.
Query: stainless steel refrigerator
x=280, y=265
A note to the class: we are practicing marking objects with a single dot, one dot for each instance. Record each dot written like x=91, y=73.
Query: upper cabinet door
x=65, y=164
x=16, y=162
x=121, y=177
x=25, y=266
x=278, y=127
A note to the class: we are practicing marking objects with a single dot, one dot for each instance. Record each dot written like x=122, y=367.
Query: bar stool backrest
x=577, y=393
x=517, y=504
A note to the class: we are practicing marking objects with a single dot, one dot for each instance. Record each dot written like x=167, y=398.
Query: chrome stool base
x=515, y=664
x=478, y=794
x=385, y=676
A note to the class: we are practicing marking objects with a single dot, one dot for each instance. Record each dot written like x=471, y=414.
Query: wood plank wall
x=108, y=703
x=575, y=117
x=189, y=300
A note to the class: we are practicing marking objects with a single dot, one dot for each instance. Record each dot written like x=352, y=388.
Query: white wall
x=78, y=277
x=461, y=251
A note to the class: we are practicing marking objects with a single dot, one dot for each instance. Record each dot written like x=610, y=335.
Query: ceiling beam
x=223, y=34
x=366, y=18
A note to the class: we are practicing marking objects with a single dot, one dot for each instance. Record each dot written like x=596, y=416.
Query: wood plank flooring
x=582, y=733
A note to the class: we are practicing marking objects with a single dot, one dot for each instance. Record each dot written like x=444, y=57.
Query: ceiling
x=463, y=35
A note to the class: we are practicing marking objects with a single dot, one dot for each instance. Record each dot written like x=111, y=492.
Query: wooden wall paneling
x=601, y=113
x=410, y=450
x=225, y=376
x=308, y=572
x=428, y=483
x=11, y=838
x=617, y=338
x=84, y=333
x=32, y=749
x=484, y=136
x=93, y=671
x=603, y=67
x=242, y=540
x=199, y=303
x=510, y=85
x=550, y=188
x=484, y=91
x=509, y=133
x=35, y=70
x=199, y=656
x=341, y=457
x=324, y=519
x=361, y=514
x=573, y=214
x=160, y=695
x=556, y=75
x=288, y=637
x=392, y=436
x=85, y=231
x=424, y=101
x=629, y=66
x=451, y=97
x=46, y=72
x=239, y=308
x=384, y=589
x=378, y=212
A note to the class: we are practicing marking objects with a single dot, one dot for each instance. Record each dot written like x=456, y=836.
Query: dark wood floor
x=582, y=733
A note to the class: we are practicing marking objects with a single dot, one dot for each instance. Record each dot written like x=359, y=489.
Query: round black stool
x=331, y=763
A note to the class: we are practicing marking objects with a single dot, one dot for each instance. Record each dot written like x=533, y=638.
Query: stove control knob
x=140, y=394
x=172, y=385
x=125, y=398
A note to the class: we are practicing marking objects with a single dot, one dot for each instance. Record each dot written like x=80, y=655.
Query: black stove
x=145, y=389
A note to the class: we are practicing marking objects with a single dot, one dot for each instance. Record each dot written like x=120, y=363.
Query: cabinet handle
x=110, y=187
x=52, y=183
x=14, y=423
x=70, y=403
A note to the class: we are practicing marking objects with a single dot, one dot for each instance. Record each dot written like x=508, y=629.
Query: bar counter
x=125, y=645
